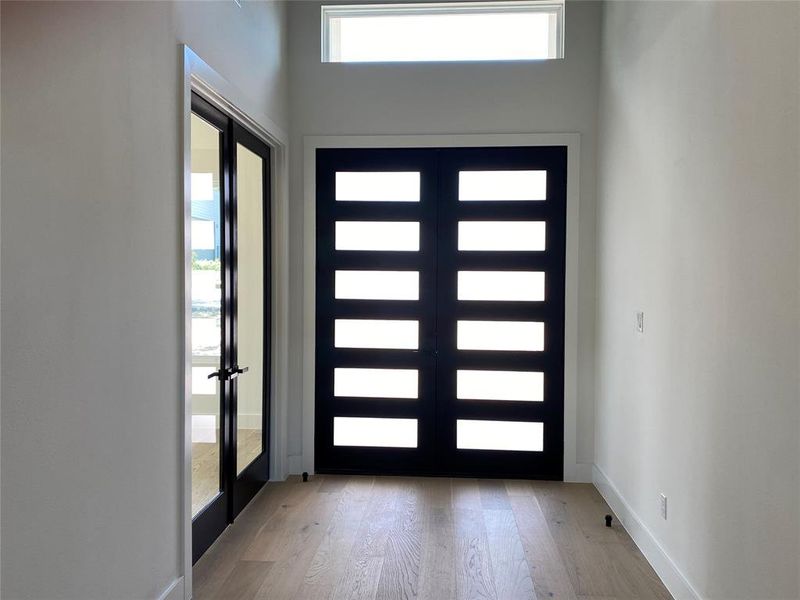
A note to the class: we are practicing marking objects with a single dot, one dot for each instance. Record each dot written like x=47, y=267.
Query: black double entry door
x=440, y=311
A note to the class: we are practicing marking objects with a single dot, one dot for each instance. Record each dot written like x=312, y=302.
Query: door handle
x=236, y=371
x=226, y=374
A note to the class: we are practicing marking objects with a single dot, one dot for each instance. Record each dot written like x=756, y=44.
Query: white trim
x=296, y=464
x=578, y=472
x=338, y=11
x=174, y=591
x=200, y=77
x=672, y=577
x=573, y=471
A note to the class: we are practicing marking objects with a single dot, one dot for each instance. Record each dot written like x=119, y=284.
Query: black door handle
x=232, y=373
x=236, y=371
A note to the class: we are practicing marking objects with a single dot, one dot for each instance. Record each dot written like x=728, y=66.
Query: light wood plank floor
x=384, y=538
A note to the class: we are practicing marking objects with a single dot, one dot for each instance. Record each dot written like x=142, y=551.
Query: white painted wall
x=361, y=99
x=92, y=273
x=698, y=227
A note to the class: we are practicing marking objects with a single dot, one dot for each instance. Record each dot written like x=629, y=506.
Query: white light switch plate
x=639, y=321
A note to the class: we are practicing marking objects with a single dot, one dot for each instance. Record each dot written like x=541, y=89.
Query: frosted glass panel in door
x=375, y=432
x=502, y=185
x=377, y=285
x=501, y=285
x=378, y=186
x=396, y=236
x=500, y=335
x=519, y=386
x=376, y=333
x=376, y=383
x=509, y=236
x=473, y=434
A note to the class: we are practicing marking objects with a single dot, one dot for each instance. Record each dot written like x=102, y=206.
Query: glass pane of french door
x=250, y=306
x=206, y=317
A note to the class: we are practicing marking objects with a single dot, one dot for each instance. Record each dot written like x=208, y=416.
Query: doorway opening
x=230, y=319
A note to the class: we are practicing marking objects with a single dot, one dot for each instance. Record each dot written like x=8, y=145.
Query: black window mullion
x=376, y=261
x=367, y=309
x=480, y=310
x=506, y=261
x=534, y=210
x=375, y=211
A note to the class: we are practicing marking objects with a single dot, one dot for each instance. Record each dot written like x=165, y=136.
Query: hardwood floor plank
x=245, y=580
x=512, y=577
x=550, y=577
x=437, y=492
x=305, y=524
x=474, y=577
x=633, y=575
x=493, y=494
x=337, y=543
x=267, y=541
x=362, y=583
x=359, y=580
x=518, y=487
x=333, y=483
x=616, y=533
x=588, y=562
x=286, y=576
x=296, y=544
x=590, y=510
x=213, y=568
x=466, y=494
x=217, y=563
x=437, y=562
x=400, y=571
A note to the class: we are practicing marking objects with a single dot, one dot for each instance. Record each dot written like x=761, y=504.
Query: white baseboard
x=664, y=566
x=174, y=590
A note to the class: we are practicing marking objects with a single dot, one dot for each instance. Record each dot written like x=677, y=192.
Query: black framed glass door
x=230, y=332
x=376, y=288
x=440, y=311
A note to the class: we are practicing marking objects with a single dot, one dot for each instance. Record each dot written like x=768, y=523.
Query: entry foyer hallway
x=428, y=538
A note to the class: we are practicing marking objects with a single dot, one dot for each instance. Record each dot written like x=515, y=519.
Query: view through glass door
x=230, y=326
x=440, y=311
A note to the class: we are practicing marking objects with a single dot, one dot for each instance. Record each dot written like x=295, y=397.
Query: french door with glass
x=440, y=311
x=230, y=319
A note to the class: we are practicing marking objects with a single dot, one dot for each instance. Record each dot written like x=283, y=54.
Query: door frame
x=202, y=79
x=573, y=470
